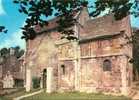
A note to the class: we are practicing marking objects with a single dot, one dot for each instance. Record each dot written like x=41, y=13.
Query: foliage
x=36, y=82
x=39, y=10
x=65, y=10
x=5, y=52
x=120, y=8
x=2, y=29
x=18, y=52
x=35, y=9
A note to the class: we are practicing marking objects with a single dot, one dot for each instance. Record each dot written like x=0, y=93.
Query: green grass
x=17, y=94
x=74, y=96
x=3, y=98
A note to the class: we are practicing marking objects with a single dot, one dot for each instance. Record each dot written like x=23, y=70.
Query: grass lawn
x=16, y=94
x=74, y=96
x=3, y=98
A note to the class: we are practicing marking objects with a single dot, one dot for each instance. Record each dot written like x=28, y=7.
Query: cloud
x=1, y=8
x=14, y=40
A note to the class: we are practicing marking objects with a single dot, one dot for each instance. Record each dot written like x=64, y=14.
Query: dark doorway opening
x=44, y=77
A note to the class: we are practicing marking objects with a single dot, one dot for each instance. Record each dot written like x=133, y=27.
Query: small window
x=63, y=69
x=107, y=65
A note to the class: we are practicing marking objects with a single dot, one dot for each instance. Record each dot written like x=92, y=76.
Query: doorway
x=44, y=77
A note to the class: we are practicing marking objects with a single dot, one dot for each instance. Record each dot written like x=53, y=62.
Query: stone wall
x=8, y=81
x=82, y=63
x=41, y=52
x=67, y=76
x=93, y=76
x=12, y=64
x=101, y=47
x=0, y=71
x=98, y=26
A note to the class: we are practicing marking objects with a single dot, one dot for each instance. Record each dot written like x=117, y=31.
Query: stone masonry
x=97, y=62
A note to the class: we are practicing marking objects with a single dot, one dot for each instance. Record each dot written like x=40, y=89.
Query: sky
x=13, y=20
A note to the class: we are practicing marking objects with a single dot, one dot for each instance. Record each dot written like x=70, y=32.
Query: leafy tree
x=5, y=52
x=38, y=10
x=66, y=9
x=35, y=9
x=120, y=8
x=18, y=52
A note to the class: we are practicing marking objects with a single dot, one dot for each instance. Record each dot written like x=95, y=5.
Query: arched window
x=63, y=69
x=107, y=65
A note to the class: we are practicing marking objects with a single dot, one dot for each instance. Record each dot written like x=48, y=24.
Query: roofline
x=101, y=37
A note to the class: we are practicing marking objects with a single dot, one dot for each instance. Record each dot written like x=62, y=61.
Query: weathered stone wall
x=67, y=78
x=41, y=54
x=93, y=54
x=82, y=63
x=93, y=76
x=66, y=56
x=41, y=51
x=12, y=64
x=101, y=47
x=98, y=26
x=0, y=71
x=66, y=51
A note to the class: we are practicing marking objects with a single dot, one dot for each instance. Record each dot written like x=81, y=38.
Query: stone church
x=99, y=61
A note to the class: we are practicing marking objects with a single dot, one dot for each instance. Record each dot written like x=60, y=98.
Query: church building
x=98, y=61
